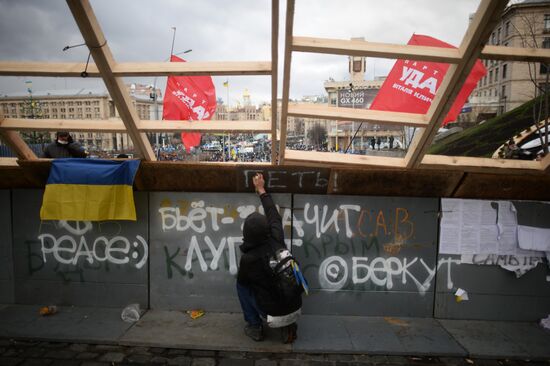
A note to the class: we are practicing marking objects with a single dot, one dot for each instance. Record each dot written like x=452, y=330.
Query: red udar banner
x=411, y=85
x=189, y=98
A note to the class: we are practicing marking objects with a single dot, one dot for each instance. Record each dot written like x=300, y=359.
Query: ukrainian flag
x=90, y=190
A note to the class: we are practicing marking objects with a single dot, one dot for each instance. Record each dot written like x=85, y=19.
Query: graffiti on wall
x=344, y=246
x=75, y=246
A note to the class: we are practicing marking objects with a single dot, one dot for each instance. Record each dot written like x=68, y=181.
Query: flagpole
x=173, y=40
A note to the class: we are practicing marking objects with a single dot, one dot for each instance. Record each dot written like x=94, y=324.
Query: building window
x=493, y=38
x=503, y=92
x=71, y=109
x=546, y=22
x=498, y=36
x=507, y=29
x=357, y=66
x=490, y=76
x=496, y=74
x=504, y=71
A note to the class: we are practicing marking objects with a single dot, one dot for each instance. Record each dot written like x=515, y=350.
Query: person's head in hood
x=255, y=229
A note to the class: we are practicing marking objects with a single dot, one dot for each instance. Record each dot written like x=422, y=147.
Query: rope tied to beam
x=84, y=73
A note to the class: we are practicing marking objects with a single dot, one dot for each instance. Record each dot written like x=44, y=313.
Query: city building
x=79, y=104
x=355, y=93
x=508, y=84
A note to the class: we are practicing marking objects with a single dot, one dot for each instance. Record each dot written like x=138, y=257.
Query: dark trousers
x=252, y=314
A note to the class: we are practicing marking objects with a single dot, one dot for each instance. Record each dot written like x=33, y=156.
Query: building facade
x=507, y=84
x=84, y=104
x=355, y=93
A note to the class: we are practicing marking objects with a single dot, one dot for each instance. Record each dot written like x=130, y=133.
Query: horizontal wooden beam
x=480, y=165
x=373, y=49
x=88, y=125
x=332, y=159
x=515, y=54
x=116, y=125
x=11, y=68
x=8, y=162
x=192, y=68
x=352, y=114
x=53, y=69
x=206, y=126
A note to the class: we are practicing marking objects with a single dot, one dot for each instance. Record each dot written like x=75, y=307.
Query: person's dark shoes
x=254, y=332
x=289, y=333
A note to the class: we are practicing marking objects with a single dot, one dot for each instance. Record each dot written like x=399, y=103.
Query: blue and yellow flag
x=90, y=190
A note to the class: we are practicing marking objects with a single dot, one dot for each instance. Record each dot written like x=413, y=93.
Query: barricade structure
x=461, y=60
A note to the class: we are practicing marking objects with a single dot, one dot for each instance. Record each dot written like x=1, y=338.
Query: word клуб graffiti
x=117, y=250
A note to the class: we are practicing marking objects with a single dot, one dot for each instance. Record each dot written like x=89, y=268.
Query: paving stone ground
x=38, y=353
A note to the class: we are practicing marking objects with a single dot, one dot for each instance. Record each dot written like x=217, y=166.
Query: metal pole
x=173, y=40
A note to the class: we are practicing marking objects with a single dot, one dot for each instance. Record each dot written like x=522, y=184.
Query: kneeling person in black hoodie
x=256, y=284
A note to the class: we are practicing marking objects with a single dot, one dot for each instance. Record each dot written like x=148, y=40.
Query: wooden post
x=286, y=77
x=96, y=42
x=16, y=143
x=274, y=70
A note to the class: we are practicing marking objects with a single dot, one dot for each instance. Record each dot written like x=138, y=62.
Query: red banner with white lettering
x=189, y=98
x=411, y=85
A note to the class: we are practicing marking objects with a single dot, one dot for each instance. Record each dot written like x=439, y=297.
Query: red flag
x=189, y=98
x=411, y=85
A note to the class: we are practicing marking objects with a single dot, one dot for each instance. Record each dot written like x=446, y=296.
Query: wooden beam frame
x=461, y=60
x=478, y=32
x=96, y=42
x=350, y=114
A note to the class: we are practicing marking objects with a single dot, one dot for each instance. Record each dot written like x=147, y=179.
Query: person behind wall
x=256, y=287
x=64, y=147
x=378, y=142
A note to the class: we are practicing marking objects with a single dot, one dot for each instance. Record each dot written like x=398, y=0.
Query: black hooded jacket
x=262, y=235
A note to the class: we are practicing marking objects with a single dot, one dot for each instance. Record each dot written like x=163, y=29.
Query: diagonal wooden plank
x=478, y=32
x=274, y=75
x=16, y=143
x=350, y=114
x=289, y=26
x=96, y=42
x=373, y=49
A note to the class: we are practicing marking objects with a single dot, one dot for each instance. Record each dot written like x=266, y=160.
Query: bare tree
x=529, y=28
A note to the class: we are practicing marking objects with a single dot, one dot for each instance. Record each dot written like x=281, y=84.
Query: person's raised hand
x=259, y=183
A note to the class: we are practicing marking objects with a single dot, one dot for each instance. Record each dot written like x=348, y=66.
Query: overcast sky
x=220, y=30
